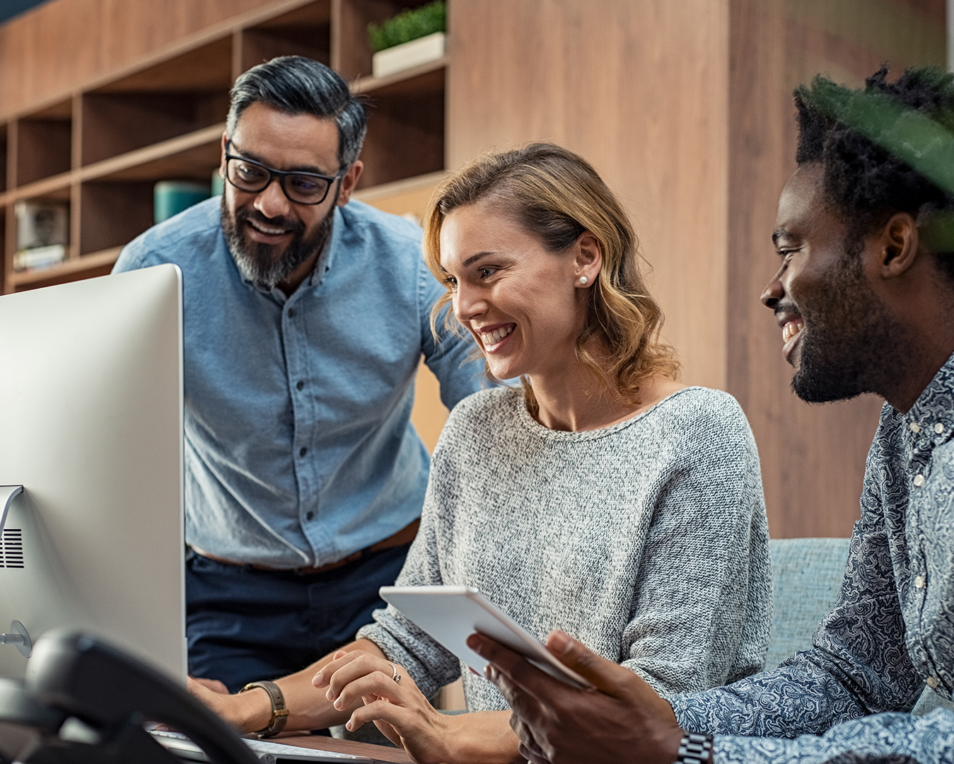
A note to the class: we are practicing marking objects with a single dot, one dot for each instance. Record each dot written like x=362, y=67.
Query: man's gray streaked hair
x=299, y=85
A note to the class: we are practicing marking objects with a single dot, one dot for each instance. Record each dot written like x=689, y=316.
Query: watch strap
x=694, y=749
x=279, y=712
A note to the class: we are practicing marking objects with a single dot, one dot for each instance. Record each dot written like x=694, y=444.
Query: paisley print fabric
x=891, y=631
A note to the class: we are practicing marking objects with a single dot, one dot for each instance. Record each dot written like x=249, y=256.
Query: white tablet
x=450, y=614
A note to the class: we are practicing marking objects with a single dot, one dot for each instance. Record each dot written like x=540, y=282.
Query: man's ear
x=899, y=244
x=225, y=140
x=349, y=181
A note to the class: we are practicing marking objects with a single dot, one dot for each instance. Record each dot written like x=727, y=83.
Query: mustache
x=245, y=215
x=787, y=308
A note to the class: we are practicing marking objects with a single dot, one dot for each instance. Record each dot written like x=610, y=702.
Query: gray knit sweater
x=646, y=540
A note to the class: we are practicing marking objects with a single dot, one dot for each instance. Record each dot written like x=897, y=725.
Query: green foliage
x=408, y=25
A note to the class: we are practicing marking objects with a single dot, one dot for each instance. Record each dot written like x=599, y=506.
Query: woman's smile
x=492, y=337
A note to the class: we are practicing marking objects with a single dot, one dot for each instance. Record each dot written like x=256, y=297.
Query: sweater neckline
x=524, y=417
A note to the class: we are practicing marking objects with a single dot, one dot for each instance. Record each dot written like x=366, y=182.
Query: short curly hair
x=877, y=145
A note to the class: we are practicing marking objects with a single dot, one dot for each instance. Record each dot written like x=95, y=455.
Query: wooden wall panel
x=686, y=110
x=812, y=456
x=639, y=88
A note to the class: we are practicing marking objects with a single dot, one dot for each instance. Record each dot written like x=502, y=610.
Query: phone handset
x=113, y=694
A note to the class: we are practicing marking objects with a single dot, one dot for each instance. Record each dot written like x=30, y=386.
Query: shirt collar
x=933, y=411
x=325, y=258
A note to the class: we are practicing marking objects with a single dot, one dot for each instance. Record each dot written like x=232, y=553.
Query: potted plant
x=413, y=37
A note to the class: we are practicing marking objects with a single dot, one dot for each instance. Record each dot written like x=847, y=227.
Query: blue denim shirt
x=891, y=631
x=298, y=444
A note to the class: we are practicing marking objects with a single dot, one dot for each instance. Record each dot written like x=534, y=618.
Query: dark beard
x=851, y=343
x=257, y=261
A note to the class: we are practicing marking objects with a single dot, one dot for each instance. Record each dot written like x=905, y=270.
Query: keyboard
x=267, y=751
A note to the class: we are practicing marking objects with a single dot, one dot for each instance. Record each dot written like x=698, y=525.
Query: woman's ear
x=588, y=259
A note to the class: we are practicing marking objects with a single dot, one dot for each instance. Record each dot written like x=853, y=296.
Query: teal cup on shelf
x=170, y=197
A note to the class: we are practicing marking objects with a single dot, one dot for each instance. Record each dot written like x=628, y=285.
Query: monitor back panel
x=91, y=426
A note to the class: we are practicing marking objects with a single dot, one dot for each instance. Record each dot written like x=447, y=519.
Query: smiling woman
x=604, y=498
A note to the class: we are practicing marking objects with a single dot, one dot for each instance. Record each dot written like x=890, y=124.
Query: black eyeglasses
x=299, y=187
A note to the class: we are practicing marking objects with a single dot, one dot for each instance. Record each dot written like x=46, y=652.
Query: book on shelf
x=42, y=223
x=43, y=231
x=39, y=257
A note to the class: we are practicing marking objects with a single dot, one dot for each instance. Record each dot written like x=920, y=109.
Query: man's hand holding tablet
x=450, y=614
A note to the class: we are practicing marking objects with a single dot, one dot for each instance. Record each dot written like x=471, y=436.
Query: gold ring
x=395, y=675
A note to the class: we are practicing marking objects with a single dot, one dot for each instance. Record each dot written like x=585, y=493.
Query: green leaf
x=408, y=25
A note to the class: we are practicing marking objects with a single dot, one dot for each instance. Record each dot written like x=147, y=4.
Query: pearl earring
x=583, y=279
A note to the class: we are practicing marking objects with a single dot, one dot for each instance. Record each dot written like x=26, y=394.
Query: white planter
x=408, y=55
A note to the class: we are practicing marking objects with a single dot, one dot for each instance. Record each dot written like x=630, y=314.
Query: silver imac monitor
x=91, y=428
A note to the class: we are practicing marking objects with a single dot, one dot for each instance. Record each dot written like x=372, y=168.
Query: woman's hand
x=391, y=700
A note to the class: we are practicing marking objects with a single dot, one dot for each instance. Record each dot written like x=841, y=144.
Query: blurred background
x=111, y=113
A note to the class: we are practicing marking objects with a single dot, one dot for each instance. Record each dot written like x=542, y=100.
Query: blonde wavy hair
x=557, y=195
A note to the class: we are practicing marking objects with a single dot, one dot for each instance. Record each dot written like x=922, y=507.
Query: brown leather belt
x=404, y=536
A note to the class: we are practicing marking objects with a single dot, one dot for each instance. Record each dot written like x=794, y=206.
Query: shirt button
x=932, y=682
x=303, y=451
x=300, y=384
x=919, y=582
x=919, y=480
x=310, y=516
x=291, y=312
x=914, y=427
x=939, y=428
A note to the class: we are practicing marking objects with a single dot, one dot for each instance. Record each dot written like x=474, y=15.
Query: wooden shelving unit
x=103, y=146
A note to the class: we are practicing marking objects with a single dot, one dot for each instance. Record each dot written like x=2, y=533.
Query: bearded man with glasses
x=305, y=315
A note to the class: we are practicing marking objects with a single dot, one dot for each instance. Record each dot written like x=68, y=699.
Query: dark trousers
x=245, y=624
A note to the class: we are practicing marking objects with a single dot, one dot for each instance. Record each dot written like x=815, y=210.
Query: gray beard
x=256, y=261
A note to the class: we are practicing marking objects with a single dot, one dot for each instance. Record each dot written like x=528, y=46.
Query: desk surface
x=321, y=743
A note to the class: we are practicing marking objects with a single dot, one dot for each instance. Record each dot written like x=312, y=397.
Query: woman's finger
x=375, y=684
x=357, y=664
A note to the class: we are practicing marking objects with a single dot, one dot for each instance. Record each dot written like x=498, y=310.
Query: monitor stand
x=7, y=494
x=19, y=636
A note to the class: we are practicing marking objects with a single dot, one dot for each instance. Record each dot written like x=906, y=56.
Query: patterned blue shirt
x=891, y=631
x=298, y=444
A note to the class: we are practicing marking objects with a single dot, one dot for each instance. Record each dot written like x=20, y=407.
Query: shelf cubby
x=44, y=143
x=405, y=126
x=113, y=213
x=304, y=31
x=164, y=101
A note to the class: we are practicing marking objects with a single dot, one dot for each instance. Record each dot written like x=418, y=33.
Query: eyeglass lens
x=252, y=177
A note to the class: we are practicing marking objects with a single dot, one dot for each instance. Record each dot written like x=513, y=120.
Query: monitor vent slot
x=11, y=548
